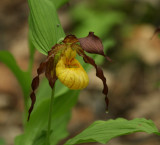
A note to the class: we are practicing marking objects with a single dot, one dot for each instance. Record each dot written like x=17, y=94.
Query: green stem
x=50, y=117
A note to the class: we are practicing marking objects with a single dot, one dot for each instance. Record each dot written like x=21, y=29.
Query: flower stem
x=50, y=117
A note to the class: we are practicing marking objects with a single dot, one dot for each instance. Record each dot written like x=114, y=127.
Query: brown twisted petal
x=92, y=44
x=99, y=74
x=50, y=71
x=35, y=84
x=49, y=68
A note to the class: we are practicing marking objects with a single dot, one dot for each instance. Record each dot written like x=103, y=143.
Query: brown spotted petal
x=92, y=44
x=35, y=84
x=50, y=71
x=99, y=74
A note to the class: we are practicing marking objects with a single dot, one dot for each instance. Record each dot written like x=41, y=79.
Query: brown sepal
x=93, y=44
x=35, y=84
x=53, y=50
x=70, y=39
x=99, y=74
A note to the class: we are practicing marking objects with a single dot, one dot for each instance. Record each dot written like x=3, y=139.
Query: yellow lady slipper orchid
x=70, y=72
x=61, y=64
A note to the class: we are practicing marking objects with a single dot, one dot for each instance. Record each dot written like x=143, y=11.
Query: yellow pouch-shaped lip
x=71, y=73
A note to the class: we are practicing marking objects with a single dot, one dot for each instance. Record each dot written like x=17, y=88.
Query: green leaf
x=39, y=117
x=44, y=24
x=31, y=51
x=60, y=126
x=59, y=3
x=96, y=21
x=23, y=78
x=44, y=91
x=58, y=132
x=40, y=138
x=61, y=105
x=103, y=131
x=2, y=141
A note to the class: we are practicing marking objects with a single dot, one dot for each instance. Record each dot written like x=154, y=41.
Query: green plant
x=45, y=31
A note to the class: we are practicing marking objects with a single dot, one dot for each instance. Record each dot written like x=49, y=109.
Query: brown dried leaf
x=35, y=84
x=93, y=44
x=99, y=74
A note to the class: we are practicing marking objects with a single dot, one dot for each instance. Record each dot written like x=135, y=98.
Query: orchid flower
x=61, y=64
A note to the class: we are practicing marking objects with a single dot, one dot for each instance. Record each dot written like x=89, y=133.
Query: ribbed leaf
x=39, y=118
x=44, y=24
x=58, y=132
x=103, y=131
